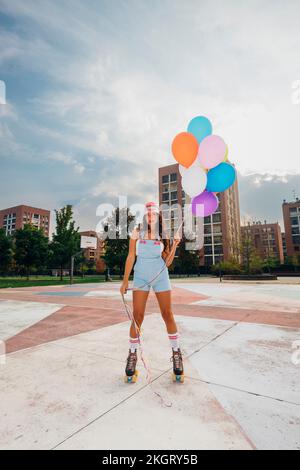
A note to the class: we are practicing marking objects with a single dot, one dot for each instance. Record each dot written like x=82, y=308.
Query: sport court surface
x=62, y=384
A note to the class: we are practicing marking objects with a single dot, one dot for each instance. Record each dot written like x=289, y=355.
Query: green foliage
x=187, y=261
x=227, y=267
x=270, y=262
x=87, y=266
x=295, y=260
x=66, y=240
x=247, y=251
x=31, y=248
x=116, y=248
x=6, y=254
x=256, y=264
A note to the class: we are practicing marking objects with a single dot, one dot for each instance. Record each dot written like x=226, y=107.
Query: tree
x=116, y=244
x=255, y=264
x=295, y=262
x=187, y=261
x=66, y=240
x=246, y=250
x=5, y=252
x=87, y=266
x=31, y=248
x=271, y=262
x=227, y=267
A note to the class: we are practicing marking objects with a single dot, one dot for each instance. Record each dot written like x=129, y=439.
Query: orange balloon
x=185, y=148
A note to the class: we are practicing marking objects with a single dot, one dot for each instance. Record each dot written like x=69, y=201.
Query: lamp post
x=72, y=265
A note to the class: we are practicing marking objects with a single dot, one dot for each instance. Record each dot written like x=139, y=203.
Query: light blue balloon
x=200, y=127
x=220, y=178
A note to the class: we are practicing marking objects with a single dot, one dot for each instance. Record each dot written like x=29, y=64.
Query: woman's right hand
x=124, y=287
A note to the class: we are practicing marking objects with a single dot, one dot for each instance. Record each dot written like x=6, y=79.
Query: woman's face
x=151, y=217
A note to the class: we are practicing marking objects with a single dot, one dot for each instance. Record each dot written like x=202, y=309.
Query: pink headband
x=152, y=206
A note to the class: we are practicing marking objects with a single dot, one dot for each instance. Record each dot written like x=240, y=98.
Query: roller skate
x=178, y=373
x=130, y=371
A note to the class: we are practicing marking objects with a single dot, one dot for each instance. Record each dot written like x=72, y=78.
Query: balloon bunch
x=203, y=165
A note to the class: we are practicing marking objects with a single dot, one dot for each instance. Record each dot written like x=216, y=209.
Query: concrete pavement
x=62, y=384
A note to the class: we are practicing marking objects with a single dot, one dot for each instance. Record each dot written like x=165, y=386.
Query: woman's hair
x=160, y=230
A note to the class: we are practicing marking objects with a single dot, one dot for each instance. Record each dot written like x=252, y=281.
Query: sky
x=97, y=90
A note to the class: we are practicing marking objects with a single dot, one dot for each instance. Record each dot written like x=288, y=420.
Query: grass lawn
x=17, y=281
x=45, y=281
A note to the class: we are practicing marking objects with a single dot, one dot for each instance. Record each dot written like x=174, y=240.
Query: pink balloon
x=212, y=151
x=204, y=204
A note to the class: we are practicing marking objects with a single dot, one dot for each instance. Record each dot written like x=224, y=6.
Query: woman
x=154, y=255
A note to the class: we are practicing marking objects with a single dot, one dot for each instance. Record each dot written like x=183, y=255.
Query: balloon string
x=138, y=329
x=147, y=368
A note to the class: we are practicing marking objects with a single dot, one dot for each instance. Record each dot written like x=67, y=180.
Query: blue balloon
x=220, y=178
x=200, y=127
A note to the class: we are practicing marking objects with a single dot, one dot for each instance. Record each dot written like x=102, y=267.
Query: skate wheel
x=131, y=378
x=178, y=378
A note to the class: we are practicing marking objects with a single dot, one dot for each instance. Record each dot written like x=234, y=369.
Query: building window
x=173, y=195
x=296, y=239
x=217, y=228
x=174, y=213
x=165, y=178
x=293, y=210
x=216, y=217
x=173, y=177
x=165, y=197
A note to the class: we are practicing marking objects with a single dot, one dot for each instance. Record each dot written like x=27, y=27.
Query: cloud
x=261, y=195
x=103, y=91
x=67, y=160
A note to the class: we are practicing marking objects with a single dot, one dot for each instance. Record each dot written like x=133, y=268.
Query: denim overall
x=150, y=265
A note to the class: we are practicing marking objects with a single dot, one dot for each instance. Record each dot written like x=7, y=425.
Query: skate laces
x=131, y=360
x=177, y=359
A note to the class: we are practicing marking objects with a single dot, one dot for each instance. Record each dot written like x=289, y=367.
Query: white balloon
x=194, y=180
x=182, y=169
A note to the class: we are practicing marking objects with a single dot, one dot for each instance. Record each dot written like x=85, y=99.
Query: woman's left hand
x=177, y=239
